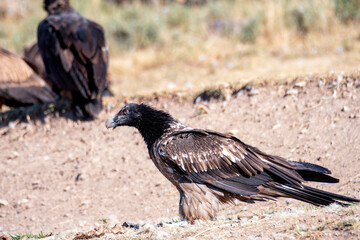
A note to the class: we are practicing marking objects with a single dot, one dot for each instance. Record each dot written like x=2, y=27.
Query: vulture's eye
x=126, y=112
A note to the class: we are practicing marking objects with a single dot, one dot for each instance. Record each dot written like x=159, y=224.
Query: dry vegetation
x=181, y=49
x=161, y=47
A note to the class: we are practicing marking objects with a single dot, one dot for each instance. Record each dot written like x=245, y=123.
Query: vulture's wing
x=33, y=56
x=75, y=53
x=224, y=161
x=19, y=84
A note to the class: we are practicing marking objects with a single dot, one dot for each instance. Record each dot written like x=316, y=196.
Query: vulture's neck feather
x=58, y=7
x=154, y=124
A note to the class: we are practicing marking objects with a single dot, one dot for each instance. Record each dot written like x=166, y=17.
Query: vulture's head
x=150, y=122
x=140, y=116
x=52, y=6
x=129, y=115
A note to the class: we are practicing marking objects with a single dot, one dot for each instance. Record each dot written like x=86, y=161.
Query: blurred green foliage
x=347, y=10
x=29, y=236
x=134, y=26
x=249, y=32
x=302, y=15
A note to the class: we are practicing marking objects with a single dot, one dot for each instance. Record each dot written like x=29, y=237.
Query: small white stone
x=345, y=109
x=85, y=203
x=292, y=92
x=244, y=220
x=162, y=235
x=300, y=84
x=276, y=126
x=3, y=202
x=148, y=227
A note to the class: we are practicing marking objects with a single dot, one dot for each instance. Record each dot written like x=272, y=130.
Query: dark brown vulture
x=210, y=168
x=75, y=55
x=32, y=55
x=19, y=84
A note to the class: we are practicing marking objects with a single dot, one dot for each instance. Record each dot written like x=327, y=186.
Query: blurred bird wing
x=13, y=69
x=18, y=81
x=33, y=57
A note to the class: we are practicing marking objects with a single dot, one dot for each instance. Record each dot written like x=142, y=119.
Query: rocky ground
x=67, y=178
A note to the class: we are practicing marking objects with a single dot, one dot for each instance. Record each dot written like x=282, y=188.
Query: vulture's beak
x=110, y=123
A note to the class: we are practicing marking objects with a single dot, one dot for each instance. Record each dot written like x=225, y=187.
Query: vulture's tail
x=314, y=173
x=310, y=195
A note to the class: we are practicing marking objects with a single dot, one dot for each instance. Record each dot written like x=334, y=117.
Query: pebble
x=14, y=155
x=80, y=177
x=345, y=109
x=70, y=156
x=292, y=91
x=353, y=116
x=340, y=49
x=23, y=203
x=300, y=84
x=320, y=83
x=131, y=225
x=162, y=235
x=244, y=220
x=253, y=92
x=240, y=93
x=148, y=227
x=3, y=202
x=85, y=203
x=12, y=125
x=49, y=238
x=233, y=132
x=276, y=126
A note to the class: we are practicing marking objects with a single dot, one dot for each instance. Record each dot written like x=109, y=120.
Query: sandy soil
x=66, y=177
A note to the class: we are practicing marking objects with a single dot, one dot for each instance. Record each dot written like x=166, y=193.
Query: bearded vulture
x=209, y=168
x=75, y=55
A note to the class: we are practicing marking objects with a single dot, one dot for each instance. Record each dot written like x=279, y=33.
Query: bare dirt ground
x=67, y=177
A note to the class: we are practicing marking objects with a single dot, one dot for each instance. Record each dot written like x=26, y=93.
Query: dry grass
x=275, y=222
x=172, y=47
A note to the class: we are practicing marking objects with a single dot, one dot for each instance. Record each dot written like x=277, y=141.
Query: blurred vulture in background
x=32, y=55
x=75, y=56
x=183, y=2
x=20, y=85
